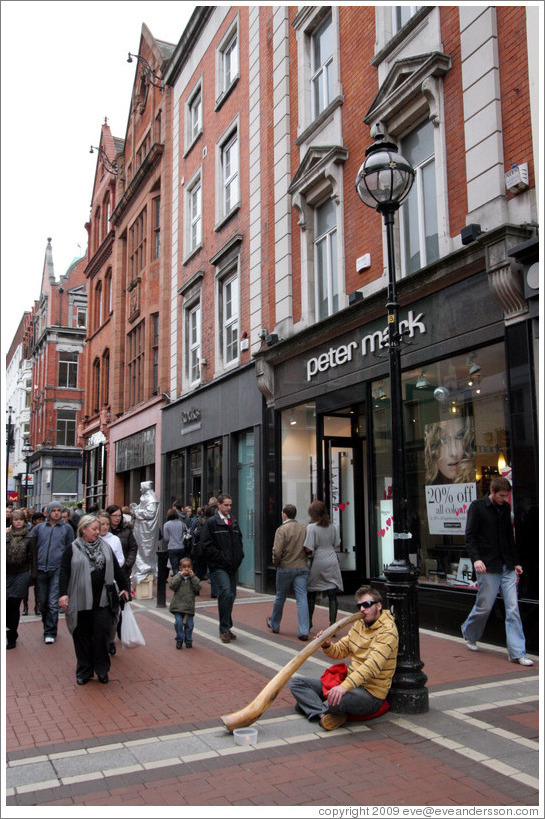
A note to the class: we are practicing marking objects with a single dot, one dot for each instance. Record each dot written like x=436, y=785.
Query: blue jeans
x=183, y=625
x=48, y=592
x=310, y=698
x=226, y=586
x=285, y=578
x=488, y=587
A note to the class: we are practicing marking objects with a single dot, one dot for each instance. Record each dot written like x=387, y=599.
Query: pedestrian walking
x=18, y=572
x=491, y=546
x=221, y=540
x=290, y=558
x=185, y=584
x=88, y=568
x=50, y=539
x=325, y=573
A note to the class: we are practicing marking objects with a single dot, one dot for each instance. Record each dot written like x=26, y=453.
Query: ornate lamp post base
x=408, y=694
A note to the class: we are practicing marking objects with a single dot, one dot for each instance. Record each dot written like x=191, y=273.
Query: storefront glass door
x=246, y=505
x=340, y=498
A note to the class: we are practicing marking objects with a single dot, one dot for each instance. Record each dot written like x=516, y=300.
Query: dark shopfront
x=212, y=443
x=469, y=414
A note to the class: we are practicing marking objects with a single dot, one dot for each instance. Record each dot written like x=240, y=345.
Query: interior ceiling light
x=422, y=382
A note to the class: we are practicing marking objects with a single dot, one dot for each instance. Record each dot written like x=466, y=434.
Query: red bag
x=334, y=675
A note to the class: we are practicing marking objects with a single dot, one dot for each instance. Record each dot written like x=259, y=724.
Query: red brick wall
x=515, y=94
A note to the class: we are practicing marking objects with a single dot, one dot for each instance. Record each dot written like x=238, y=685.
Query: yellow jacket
x=373, y=651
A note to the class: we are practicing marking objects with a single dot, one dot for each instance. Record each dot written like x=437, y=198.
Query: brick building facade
x=55, y=344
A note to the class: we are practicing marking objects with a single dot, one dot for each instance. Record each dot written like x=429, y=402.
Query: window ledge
x=317, y=123
x=192, y=253
x=223, y=221
x=400, y=35
x=193, y=143
x=225, y=94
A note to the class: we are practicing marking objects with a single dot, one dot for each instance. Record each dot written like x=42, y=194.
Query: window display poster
x=447, y=506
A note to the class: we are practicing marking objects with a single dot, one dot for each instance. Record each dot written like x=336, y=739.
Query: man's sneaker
x=523, y=661
x=48, y=640
x=469, y=644
x=331, y=721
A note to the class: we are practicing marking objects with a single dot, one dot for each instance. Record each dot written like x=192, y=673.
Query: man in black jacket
x=491, y=546
x=221, y=540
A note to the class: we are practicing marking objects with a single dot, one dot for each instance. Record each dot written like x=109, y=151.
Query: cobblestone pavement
x=153, y=736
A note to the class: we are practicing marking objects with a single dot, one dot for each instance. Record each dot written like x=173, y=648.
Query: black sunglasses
x=367, y=604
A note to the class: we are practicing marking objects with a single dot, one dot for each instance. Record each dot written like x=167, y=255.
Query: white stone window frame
x=411, y=92
x=224, y=83
x=193, y=130
x=306, y=23
x=192, y=186
x=225, y=141
x=418, y=184
x=320, y=177
x=331, y=268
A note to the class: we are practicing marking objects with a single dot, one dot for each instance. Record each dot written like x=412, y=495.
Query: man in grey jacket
x=290, y=559
x=50, y=539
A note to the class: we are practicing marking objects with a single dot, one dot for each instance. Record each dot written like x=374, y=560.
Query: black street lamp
x=27, y=452
x=383, y=182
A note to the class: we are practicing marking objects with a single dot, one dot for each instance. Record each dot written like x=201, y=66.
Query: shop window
x=419, y=229
x=176, y=476
x=214, y=473
x=66, y=428
x=299, y=460
x=456, y=442
x=65, y=481
x=68, y=369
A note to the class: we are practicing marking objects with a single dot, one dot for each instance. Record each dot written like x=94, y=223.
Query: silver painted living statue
x=146, y=532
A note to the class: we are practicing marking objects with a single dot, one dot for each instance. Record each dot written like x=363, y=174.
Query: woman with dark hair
x=325, y=573
x=18, y=571
x=173, y=536
x=124, y=531
x=88, y=567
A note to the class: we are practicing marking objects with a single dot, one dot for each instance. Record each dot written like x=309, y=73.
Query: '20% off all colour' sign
x=447, y=506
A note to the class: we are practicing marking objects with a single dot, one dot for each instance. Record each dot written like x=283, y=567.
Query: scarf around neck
x=93, y=552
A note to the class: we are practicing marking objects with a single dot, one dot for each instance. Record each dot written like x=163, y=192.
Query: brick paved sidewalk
x=153, y=735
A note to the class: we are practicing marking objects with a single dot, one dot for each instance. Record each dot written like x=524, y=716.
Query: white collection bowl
x=245, y=736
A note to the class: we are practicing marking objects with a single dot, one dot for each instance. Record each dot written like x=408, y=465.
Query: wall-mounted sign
x=370, y=343
x=191, y=420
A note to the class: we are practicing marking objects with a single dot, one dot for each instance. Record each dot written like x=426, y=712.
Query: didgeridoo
x=246, y=716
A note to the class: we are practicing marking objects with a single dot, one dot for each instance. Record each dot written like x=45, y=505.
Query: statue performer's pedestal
x=144, y=590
